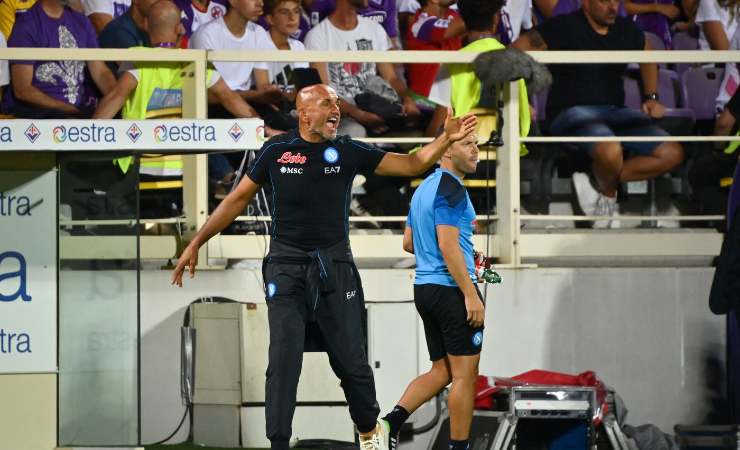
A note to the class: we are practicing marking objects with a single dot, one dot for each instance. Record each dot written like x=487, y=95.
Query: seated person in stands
x=435, y=26
x=127, y=30
x=160, y=94
x=55, y=89
x=588, y=100
x=516, y=17
x=654, y=16
x=101, y=12
x=456, y=85
x=304, y=23
x=283, y=18
x=718, y=22
x=384, y=12
x=237, y=30
x=363, y=88
x=147, y=90
x=196, y=13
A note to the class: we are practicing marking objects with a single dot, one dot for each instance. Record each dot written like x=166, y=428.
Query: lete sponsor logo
x=86, y=133
x=189, y=132
x=290, y=158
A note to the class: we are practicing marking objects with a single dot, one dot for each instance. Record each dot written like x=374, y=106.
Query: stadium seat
x=701, y=85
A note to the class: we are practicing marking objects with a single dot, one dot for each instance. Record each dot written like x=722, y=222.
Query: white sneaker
x=606, y=206
x=587, y=196
x=594, y=203
x=378, y=440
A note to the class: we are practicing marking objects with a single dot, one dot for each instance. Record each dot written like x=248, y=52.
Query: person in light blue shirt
x=439, y=232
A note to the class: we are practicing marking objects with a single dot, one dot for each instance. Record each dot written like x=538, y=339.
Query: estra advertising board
x=142, y=135
x=28, y=272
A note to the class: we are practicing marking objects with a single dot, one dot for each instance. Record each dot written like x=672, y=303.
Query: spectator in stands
x=101, y=12
x=718, y=21
x=345, y=29
x=384, y=12
x=237, y=30
x=431, y=29
x=149, y=90
x=283, y=18
x=304, y=23
x=654, y=16
x=51, y=89
x=456, y=85
x=127, y=30
x=516, y=16
x=196, y=13
x=588, y=100
x=9, y=11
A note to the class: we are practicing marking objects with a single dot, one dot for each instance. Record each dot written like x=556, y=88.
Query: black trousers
x=322, y=287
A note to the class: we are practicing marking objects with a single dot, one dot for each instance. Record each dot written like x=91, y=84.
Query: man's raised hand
x=457, y=129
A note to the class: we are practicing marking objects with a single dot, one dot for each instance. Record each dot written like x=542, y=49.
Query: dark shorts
x=442, y=309
x=607, y=121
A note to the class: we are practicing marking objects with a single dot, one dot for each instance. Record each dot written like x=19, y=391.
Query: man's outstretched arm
x=223, y=216
x=402, y=165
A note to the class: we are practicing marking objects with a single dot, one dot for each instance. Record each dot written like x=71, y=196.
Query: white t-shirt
x=279, y=72
x=212, y=12
x=216, y=36
x=710, y=11
x=408, y=6
x=349, y=78
x=113, y=8
x=4, y=69
x=515, y=16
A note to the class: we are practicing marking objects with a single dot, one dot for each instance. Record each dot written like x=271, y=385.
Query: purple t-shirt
x=63, y=80
x=303, y=27
x=382, y=11
x=655, y=23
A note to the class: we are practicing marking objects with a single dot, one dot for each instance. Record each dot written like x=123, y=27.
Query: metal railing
x=510, y=245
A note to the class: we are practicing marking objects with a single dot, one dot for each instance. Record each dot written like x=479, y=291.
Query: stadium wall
x=645, y=331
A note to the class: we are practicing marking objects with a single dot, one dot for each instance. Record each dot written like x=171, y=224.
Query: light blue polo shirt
x=441, y=199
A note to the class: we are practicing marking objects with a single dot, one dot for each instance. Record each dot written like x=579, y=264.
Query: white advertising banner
x=142, y=135
x=28, y=272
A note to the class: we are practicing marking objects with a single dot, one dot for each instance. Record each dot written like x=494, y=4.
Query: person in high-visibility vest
x=148, y=90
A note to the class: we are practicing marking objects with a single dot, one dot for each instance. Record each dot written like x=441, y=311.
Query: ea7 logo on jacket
x=290, y=158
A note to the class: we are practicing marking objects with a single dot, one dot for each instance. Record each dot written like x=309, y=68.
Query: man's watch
x=650, y=96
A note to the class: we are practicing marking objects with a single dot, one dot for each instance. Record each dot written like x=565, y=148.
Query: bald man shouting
x=309, y=273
